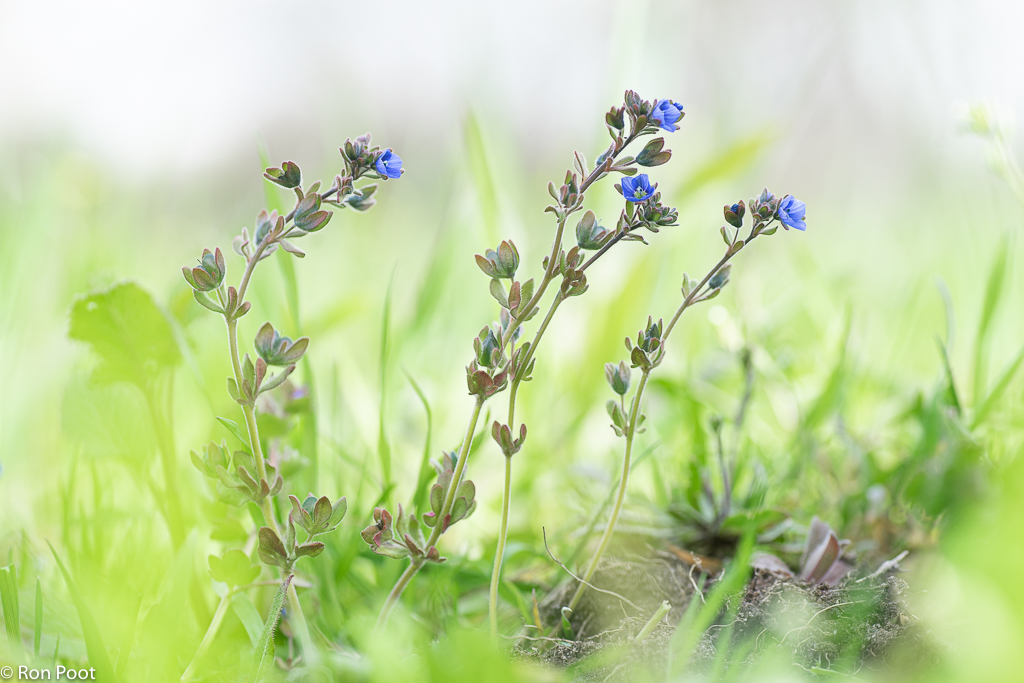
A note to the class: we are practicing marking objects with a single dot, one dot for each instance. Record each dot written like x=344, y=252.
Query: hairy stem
x=296, y=616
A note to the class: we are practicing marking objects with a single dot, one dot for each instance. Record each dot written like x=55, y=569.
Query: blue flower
x=666, y=113
x=792, y=212
x=389, y=164
x=637, y=189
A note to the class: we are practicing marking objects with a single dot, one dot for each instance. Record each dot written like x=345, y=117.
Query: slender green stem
x=635, y=411
x=298, y=618
x=499, y=553
x=446, y=508
x=626, y=459
x=549, y=274
x=506, y=501
x=652, y=623
x=211, y=632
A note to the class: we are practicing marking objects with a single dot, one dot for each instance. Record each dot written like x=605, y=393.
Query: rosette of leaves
x=500, y=263
x=272, y=349
x=590, y=234
x=648, y=345
x=482, y=383
x=237, y=485
x=502, y=435
x=318, y=515
x=465, y=497
x=285, y=552
x=822, y=559
x=398, y=538
x=232, y=473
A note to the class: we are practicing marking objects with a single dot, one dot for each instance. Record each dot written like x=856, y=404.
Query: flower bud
x=734, y=214
x=288, y=176
x=618, y=377
x=721, y=278
x=500, y=264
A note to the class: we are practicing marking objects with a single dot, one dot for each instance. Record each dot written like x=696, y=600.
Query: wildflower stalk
x=644, y=118
x=696, y=295
x=315, y=515
x=416, y=563
x=506, y=499
x=296, y=615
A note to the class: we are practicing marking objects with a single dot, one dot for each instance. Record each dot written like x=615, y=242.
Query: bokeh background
x=131, y=137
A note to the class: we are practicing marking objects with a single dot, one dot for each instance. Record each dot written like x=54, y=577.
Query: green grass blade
x=94, y=645
x=952, y=395
x=264, y=652
x=250, y=617
x=740, y=156
x=697, y=619
x=12, y=611
x=993, y=293
x=129, y=638
x=383, y=447
x=236, y=431
x=37, y=626
x=426, y=471
x=476, y=150
x=997, y=391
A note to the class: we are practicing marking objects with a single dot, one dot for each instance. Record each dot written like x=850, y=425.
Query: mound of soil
x=857, y=623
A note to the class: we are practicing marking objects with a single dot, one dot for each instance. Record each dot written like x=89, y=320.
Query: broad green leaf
x=127, y=330
x=233, y=568
x=94, y=645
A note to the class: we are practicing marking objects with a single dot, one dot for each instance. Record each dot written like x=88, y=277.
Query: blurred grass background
x=126, y=155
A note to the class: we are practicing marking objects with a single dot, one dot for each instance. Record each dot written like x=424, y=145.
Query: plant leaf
x=127, y=330
x=12, y=611
x=235, y=430
x=94, y=645
x=247, y=613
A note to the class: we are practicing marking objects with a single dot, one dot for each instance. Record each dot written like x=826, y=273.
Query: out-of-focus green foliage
x=855, y=414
